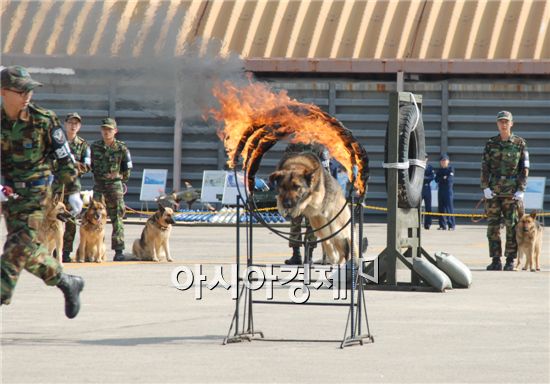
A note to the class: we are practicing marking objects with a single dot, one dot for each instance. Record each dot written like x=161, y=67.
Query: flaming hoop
x=256, y=118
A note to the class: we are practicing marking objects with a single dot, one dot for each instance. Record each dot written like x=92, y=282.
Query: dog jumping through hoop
x=304, y=187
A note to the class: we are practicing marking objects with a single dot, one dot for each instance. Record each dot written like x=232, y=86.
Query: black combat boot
x=296, y=258
x=495, y=265
x=71, y=286
x=509, y=266
x=66, y=256
x=118, y=255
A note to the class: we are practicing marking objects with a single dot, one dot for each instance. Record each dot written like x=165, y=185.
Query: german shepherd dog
x=50, y=232
x=154, y=242
x=304, y=187
x=529, y=239
x=92, y=233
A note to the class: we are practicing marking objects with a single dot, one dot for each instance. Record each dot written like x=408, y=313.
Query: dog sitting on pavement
x=51, y=229
x=92, y=233
x=153, y=245
x=529, y=239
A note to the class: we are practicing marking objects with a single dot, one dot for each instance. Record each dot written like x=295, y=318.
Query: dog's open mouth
x=64, y=217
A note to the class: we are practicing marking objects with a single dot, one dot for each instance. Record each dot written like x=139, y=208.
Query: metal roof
x=379, y=30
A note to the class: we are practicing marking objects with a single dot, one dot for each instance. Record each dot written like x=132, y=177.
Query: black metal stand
x=244, y=301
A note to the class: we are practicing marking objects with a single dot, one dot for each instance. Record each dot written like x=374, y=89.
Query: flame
x=255, y=118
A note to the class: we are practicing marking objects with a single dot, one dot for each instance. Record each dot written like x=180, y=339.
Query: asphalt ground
x=135, y=327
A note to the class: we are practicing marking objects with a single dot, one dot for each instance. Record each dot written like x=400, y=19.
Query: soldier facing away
x=504, y=171
x=81, y=153
x=111, y=167
x=31, y=138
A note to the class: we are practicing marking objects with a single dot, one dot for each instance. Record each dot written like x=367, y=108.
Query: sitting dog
x=50, y=232
x=154, y=242
x=304, y=187
x=92, y=233
x=529, y=239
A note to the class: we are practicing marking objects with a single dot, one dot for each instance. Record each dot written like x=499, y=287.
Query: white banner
x=213, y=183
x=153, y=184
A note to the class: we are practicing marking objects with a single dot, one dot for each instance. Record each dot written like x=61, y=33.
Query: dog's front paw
x=169, y=259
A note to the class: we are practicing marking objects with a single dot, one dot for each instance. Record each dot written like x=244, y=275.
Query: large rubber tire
x=412, y=145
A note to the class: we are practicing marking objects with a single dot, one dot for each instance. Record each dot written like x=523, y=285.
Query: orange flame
x=254, y=116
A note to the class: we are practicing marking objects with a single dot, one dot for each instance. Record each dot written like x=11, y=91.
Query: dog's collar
x=161, y=227
x=92, y=227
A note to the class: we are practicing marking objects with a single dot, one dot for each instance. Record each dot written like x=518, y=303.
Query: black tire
x=412, y=145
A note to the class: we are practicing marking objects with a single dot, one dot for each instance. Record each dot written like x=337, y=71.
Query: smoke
x=198, y=70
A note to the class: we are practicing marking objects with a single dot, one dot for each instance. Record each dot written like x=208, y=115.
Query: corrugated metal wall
x=422, y=29
x=459, y=117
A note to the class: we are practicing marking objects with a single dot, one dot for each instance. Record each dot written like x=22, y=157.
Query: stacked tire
x=412, y=146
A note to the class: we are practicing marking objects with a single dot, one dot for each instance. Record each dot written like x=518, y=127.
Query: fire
x=255, y=118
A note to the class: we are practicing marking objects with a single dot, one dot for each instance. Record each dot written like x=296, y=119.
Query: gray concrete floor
x=135, y=327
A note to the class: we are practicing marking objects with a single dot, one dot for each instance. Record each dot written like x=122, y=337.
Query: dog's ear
x=161, y=208
x=533, y=214
x=309, y=176
x=275, y=178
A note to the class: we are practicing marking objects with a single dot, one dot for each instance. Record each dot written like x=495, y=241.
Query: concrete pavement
x=135, y=327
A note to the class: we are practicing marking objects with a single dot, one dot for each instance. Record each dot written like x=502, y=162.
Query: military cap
x=18, y=78
x=108, y=123
x=505, y=115
x=444, y=156
x=73, y=115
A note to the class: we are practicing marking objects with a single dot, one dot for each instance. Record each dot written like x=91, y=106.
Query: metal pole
x=400, y=86
x=238, y=261
x=352, y=259
x=249, y=264
x=360, y=254
x=178, y=134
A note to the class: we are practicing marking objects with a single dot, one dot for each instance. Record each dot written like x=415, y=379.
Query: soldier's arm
x=86, y=164
x=451, y=175
x=485, y=168
x=523, y=169
x=126, y=166
x=66, y=171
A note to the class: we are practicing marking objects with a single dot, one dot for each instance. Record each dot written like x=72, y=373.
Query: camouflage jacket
x=505, y=165
x=83, y=160
x=31, y=143
x=111, y=163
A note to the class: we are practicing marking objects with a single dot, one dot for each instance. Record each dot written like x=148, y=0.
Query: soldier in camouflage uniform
x=111, y=166
x=295, y=237
x=31, y=139
x=81, y=153
x=504, y=170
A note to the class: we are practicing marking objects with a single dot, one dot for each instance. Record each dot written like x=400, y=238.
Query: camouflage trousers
x=498, y=209
x=70, y=230
x=21, y=249
x=295, y=237
x=114, y=200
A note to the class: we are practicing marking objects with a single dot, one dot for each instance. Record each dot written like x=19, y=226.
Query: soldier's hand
x=488, y=193
x=76, y=203
x=519, y=195
x=80, y=167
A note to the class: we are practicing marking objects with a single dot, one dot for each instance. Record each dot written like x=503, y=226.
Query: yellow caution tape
x=371, y=207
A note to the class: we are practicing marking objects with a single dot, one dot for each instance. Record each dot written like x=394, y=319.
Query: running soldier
x=31, y=137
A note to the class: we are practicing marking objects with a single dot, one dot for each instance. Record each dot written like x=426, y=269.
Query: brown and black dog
x=154, y=242
x=92, y=233
x=529, y=239
x=304, y=187
x=51, y=229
